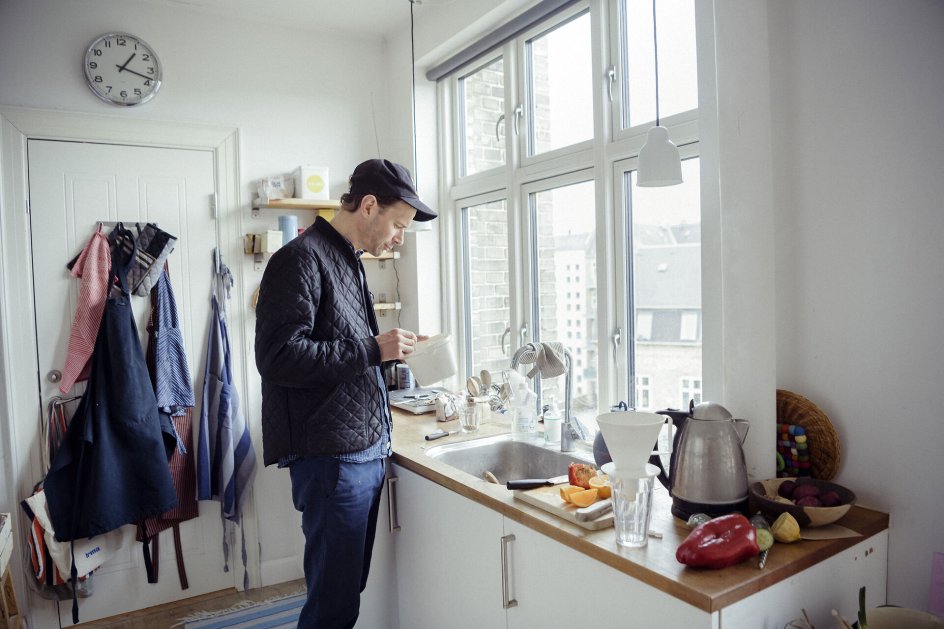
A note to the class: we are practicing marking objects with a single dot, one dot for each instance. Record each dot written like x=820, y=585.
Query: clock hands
x=122, y=67
x=148, y=78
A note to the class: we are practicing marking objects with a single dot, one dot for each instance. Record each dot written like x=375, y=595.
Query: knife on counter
x=532, y=483
x=442, y=433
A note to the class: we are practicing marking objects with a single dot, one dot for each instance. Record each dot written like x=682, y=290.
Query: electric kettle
x=707, y=473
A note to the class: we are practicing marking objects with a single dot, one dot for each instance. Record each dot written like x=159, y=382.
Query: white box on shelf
x=276, y=187
x=267, y=242
x=311, y=182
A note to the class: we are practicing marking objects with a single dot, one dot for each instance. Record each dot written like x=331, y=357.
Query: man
x=325, y=413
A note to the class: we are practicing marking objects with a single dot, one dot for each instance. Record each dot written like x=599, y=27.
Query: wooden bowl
x=763, y=496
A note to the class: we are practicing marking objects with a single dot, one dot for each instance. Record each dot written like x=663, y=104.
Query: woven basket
x=822, y=439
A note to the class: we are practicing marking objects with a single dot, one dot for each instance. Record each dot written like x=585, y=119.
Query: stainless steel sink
x=507, y=459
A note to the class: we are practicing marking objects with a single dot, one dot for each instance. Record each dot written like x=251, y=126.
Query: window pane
x=482, y=95
x=678, y=79
x=666, y=299
x=561, y=90
x=486, y=285
x=565, y=263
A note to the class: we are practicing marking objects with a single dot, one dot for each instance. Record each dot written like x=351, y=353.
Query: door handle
x=393, y=519
x=507, y=601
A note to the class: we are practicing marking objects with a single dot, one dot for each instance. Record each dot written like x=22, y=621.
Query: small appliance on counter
x=707, y=472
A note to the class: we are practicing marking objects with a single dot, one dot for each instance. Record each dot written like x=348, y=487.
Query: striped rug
x=276, y=614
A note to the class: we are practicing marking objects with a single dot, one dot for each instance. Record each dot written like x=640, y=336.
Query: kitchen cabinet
x=452, y=570
x=379, y=598
x=559, y=574
x=448, y=557
x=556, y=586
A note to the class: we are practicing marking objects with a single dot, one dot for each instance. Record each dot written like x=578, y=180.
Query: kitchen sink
x=508, y=459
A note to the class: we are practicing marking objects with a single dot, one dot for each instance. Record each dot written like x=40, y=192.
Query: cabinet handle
x=507, y=601
x=393, y=520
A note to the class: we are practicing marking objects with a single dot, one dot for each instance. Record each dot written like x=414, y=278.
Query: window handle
x=610, y=79
x=522, y=334
x=503, y=337
x=498, y=124
x=519, y=111
x=617, y=339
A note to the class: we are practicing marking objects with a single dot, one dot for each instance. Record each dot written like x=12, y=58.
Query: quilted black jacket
x=316, y=351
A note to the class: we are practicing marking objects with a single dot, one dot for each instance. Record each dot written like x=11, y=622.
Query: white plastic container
x=311, y=182
x=553, y=420
x=433, y=360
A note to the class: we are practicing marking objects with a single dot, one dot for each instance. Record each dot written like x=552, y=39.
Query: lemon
x=602, y=484
x=786, y=529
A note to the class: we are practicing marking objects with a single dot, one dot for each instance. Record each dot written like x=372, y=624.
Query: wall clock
x=122, y=69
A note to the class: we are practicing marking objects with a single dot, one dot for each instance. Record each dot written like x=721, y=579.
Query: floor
x=167, y=615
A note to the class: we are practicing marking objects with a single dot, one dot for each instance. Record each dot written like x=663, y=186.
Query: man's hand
x=396, y=344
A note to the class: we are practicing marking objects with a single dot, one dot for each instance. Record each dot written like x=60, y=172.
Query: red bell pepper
x=718, y=543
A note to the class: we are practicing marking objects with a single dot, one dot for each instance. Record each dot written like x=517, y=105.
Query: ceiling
x=372, y=17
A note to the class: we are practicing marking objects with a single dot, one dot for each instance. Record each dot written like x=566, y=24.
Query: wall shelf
x=383, y=306
x=328, y=206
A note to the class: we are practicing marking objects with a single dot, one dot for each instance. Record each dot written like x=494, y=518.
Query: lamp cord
x=655, y=47
x=413, y=86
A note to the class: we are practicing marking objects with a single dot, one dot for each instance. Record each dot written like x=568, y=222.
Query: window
x=642, y=394
x=689, y=327
x=665, y=240
x=563, y=224
x=560, y=85
x=482, y=94
x=691, y=391
x=486, y=278
x=678, y=80
x=540, y=248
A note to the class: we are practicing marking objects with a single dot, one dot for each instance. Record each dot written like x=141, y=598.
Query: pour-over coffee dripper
x=630, y=437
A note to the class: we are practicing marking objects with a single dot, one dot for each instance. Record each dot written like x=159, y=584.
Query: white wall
x=858, y=139
x=296, y=97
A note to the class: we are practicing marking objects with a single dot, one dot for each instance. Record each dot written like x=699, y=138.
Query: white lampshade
x=659, y=161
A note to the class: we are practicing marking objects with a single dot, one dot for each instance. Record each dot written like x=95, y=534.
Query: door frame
x=20, y=408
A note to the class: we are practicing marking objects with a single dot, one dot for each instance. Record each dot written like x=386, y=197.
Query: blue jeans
x=339, y=503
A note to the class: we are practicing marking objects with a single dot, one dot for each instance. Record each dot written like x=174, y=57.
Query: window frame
x=610, y=151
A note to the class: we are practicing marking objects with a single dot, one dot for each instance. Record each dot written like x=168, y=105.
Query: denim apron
x=111, y=468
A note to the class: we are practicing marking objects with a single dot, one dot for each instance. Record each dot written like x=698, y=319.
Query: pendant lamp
x=659, y=160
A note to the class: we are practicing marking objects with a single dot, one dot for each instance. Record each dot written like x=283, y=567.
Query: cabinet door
x=379, y=599
x=556, y=586
x=830, y=584
x=448, y=556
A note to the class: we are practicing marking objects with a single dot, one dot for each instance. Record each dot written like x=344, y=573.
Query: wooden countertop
x=655, y=564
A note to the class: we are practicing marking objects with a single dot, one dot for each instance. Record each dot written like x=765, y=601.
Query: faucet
x=569, y=432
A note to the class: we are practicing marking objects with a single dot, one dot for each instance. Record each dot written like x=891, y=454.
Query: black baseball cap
x=383, y=178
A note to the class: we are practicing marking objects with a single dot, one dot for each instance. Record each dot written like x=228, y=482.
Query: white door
x=73, y=186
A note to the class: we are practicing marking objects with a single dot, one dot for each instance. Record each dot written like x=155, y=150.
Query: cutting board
x=548, y=498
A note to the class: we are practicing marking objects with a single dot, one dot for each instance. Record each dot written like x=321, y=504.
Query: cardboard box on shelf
x=311, y=182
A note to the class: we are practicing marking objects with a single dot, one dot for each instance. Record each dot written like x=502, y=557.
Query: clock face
x=122, y=69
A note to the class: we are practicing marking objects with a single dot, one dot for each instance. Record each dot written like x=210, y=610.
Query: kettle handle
x=663, y=476
x=747, y=428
